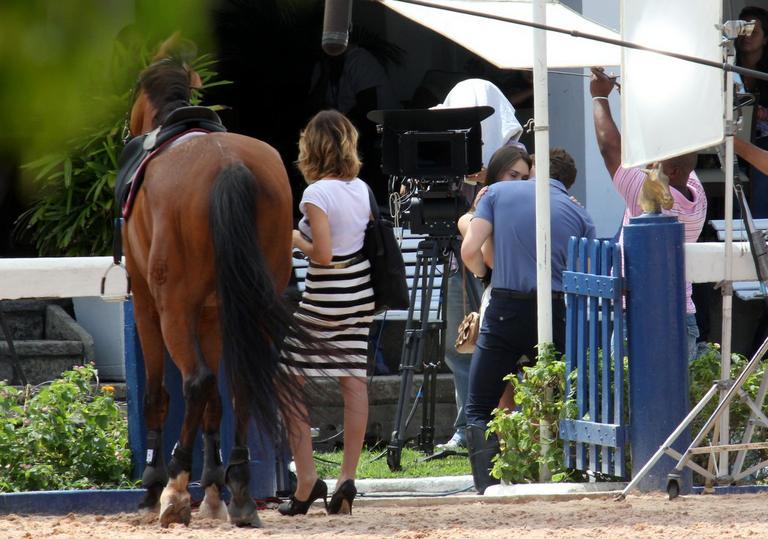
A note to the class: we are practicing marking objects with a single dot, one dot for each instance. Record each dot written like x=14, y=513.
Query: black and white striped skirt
x=337, y=307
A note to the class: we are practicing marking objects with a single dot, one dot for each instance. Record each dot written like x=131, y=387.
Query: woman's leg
x=300, y=439
x=355, y=392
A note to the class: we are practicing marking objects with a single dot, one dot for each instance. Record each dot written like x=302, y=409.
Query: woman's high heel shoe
x=341, y=501
x=298, y=507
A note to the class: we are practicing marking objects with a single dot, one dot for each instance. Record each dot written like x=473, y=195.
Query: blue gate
x=596, y=440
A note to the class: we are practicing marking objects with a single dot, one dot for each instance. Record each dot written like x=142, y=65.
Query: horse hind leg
x=212, y=480
x=242, y=509
x=198, y=383
x=155, y=404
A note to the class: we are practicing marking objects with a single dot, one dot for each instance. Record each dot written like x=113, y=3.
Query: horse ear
x=194, y=80
x=166, y=47
x=178, y=48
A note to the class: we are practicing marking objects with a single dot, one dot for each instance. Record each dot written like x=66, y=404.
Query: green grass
x=368, y=468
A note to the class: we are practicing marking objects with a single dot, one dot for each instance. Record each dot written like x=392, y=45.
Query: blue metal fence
x=596, y=440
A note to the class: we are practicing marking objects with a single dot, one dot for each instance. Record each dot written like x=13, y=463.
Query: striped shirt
x=691, y=213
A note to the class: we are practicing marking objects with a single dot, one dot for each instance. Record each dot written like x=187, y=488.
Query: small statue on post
x=654, y=194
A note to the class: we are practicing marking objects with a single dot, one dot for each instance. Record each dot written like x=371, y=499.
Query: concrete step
x=46, y=339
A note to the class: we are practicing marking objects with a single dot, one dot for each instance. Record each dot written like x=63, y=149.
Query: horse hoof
x=245, y=521
x=175, y=513
x=217, y=512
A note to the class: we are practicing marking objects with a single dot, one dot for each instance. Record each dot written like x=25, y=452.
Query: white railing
x=67, y=277
x=81, y=276
x=705, y=262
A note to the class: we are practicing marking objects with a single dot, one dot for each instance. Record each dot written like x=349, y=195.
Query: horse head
x=654, y=193
x=165, y=85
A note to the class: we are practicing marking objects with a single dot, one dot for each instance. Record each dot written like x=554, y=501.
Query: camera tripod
x=424, y=332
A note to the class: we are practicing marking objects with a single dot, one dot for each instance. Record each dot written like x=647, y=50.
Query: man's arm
x=608, y=136
x=471, y=248
x=755, y=156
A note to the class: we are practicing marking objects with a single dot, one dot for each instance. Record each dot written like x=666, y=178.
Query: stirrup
x=119, y=297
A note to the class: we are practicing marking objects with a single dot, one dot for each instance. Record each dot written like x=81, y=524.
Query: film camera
x=433, y=150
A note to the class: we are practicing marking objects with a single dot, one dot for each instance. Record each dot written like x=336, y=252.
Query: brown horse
x=208, y=249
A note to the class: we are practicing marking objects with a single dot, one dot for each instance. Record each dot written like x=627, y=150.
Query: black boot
x=481, y=453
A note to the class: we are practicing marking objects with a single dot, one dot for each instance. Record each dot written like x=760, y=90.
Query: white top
x=348, y=206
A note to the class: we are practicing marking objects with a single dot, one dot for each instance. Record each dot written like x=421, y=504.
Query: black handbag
x=390, y=288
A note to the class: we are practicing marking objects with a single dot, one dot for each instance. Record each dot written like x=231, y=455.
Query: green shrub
x=66, y=435
x=539, y=396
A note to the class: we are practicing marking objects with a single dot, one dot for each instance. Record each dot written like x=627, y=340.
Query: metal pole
x=543, y=236
x=727, y=290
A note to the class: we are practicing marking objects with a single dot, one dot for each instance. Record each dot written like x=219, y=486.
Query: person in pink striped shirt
x=690, y=201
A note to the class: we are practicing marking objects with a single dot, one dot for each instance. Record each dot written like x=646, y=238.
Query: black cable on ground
x=417, y=494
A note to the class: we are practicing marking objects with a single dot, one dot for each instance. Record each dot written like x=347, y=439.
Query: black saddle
x=140, y=150
x=137, y=151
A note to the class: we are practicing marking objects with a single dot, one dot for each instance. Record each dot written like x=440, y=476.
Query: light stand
x=718, y=422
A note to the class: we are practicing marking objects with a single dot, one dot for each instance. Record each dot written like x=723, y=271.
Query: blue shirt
x=510, y=207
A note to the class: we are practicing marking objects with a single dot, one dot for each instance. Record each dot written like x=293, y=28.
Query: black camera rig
x=432, y=151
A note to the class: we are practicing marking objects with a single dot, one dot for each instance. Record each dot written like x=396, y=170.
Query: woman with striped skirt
x=337, y=305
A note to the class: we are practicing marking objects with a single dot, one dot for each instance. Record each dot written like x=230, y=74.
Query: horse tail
x=254, y=319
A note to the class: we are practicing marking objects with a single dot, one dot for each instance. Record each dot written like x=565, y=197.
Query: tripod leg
x=427, y=434
x=750, y=428
x=669, y=441
x=412, y=349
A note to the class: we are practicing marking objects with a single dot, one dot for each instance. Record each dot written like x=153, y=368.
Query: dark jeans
x=508, y=332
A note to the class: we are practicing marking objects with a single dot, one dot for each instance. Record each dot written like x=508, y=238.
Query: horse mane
x=166, y=84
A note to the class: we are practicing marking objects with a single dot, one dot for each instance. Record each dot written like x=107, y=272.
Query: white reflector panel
x=670, y=107
x=508, y=45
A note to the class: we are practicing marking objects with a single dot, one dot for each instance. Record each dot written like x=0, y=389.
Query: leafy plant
x=67, y=435
x=74, y=213
x=539, y=396
x=704, y=371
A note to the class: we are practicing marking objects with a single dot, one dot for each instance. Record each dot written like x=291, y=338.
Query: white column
x=541, y=138
x=543, y=233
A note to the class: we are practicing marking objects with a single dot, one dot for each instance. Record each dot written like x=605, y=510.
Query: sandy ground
x=638, y=516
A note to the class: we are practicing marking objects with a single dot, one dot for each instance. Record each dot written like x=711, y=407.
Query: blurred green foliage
x=74, y=211
x=67, y=71
x=59, y=58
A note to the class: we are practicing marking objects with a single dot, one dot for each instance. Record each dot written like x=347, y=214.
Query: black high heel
x=298, y=507
x=341, y=501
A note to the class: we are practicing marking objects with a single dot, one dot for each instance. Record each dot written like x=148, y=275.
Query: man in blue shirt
x=508, y=335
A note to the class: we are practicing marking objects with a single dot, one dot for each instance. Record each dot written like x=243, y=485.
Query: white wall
x=602, y=201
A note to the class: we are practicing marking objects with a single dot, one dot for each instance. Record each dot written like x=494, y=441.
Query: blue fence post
x=658, y=362
x=134, y=388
